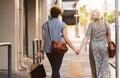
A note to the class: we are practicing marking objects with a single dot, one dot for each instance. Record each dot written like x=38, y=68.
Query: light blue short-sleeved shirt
x=56, y=28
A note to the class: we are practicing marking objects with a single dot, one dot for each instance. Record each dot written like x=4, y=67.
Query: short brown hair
x=55, y=11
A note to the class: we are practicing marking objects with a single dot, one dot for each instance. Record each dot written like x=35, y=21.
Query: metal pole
x=33, y=51
x=117, y=38
x=85, y=28
x=9, y=61
x=9, y=57
x=26, y=25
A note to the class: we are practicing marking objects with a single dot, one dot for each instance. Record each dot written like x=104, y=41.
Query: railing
x=112, y=63
x=36, y=44
x=9, y=57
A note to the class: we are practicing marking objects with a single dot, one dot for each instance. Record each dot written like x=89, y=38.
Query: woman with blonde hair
x=99, y=34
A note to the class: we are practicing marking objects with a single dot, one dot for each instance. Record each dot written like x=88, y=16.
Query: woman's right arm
x=42, y=45
x=67, y=40
x=42, y=41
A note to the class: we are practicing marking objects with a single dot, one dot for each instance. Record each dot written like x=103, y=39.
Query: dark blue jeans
x=55, y=60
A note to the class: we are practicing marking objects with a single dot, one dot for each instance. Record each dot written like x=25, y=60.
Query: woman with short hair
x=57, y=32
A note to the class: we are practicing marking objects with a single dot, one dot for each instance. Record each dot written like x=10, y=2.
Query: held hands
x=77, y=51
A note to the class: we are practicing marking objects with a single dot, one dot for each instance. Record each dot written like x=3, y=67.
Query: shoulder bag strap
x=49, y=31
x=106, y=29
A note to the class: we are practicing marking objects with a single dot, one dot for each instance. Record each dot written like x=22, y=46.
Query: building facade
x=20, y=24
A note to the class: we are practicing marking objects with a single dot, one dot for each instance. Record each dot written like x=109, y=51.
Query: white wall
x=31, y=25
x=44, y=11
x=7, y=31
x=32, y=21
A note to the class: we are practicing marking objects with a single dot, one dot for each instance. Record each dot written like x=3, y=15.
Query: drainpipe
x=21, y=35
x=38, y=21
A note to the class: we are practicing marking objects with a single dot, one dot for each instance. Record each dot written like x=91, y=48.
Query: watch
x=41, y=50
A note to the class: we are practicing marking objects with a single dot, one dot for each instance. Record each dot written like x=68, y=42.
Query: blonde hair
x=96, y=15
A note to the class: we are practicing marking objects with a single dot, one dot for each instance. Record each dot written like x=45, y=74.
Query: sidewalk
x=65, y=68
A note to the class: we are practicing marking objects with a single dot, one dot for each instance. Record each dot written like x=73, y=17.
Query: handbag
x=37, y=71
x=110, y=51
x=57, y=46
x=76, y=69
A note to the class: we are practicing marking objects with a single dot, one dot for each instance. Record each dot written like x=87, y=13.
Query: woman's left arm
x=108, y=35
